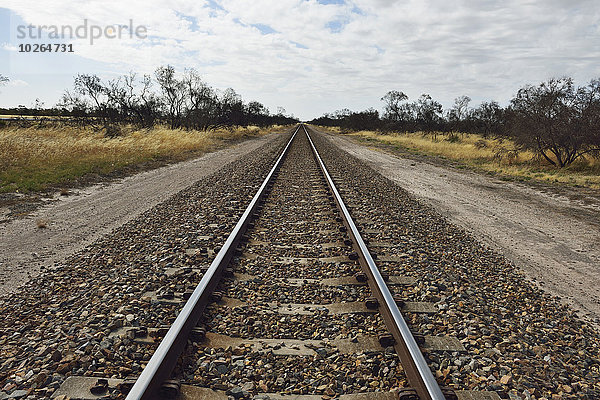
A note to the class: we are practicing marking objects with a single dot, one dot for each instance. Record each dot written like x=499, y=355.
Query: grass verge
x=36, y=159
x=494, y=156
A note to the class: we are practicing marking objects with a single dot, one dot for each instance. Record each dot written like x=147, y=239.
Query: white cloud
x=311, y=58
x=17, y=83
x=9, y=47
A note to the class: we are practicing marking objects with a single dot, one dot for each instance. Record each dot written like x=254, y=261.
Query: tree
x=488, y=118
x=137, y=104
x=37, y=107
x=394, y=108
x=75, y=104
x=91, y=97
x=281, y=111
x=457, y=115
x=368, y=119
x=3, y=80
x=398, y=113
x=557, y=121
x=231, y=108
x=428, y=113
x=148, y=103
x=460, y=110
x=201, y=101
x=257, y=113
x=256, y=108
x=173, y=94
x=587, y=103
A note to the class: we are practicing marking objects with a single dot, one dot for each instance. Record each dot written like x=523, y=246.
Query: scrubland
x=34, y=158
x=490, y=155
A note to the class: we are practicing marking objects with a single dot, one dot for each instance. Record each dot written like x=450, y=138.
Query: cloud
x=17, y=83
x=313, y=56
x=9, y=47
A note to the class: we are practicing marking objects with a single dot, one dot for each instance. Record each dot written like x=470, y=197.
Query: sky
x=309, y=56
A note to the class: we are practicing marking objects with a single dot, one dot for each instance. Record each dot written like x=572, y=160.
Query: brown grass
x=33, y=159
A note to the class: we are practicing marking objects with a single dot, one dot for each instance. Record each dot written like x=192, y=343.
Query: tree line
x=166, y=97
x=555, y=119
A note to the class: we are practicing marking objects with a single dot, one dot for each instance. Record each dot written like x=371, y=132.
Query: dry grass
x=33, y=159
x=490, y=155
x=29, y=116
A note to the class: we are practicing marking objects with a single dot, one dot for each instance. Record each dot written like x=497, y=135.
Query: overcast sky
x=311, y=56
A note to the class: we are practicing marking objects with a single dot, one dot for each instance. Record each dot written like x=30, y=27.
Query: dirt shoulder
x=552, y=234
x=74, y=222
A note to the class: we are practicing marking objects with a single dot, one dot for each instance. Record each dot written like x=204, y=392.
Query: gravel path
x=553, y=238
x=76, y=221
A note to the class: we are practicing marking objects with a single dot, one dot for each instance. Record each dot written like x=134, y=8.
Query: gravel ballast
x=520, y=342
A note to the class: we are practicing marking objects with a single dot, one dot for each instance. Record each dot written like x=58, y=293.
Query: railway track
x=293, y=304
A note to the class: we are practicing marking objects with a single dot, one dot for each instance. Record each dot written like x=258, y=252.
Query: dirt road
x=74, y=222
x=553, y=238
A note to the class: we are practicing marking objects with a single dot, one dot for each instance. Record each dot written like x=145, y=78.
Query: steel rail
x=164, y=359
x=417, y=371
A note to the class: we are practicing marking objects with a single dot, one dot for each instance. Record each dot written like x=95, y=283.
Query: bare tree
x=77, y=105
x=135, y=99
x=91, y=97
x=281, y=111
x=460, y=109
x=201, y=99
x=37, y=107
x=121, y=92
x=148, y=103
x=457, y=116
x=185, y=101
x=173, y=94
